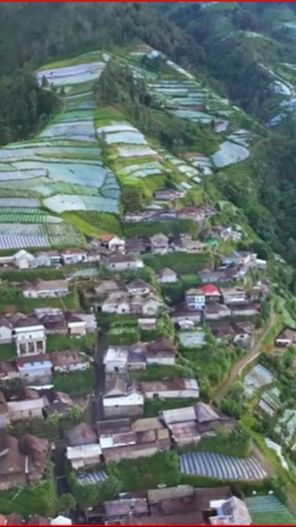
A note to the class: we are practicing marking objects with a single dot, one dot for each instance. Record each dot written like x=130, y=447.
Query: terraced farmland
x=89, y=159
x=136, y=162
x=218, y=466
x=61, y=170
x=269, y=510
x=177, y=92
x=16, y=235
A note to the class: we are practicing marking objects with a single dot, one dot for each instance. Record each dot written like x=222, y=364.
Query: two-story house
x=159, y=244
x=195, y=298
x=29, y=336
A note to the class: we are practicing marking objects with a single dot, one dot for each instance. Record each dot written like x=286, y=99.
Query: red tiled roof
x=210, y=289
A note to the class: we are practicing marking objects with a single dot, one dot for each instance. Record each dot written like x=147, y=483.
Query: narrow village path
x=97, y=397
x=239, y=366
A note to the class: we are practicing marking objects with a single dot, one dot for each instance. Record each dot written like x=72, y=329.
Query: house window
x=39, y=345
x=23, y=349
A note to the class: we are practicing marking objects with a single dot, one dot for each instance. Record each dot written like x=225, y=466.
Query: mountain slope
x=250, y=51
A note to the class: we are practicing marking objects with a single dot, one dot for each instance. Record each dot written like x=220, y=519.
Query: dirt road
x=238, y=367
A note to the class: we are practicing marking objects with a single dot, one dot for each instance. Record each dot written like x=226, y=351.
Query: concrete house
x=116, y=303
x=69, y=361
x=29, y=407
x=121, y=262
x=159, y=244
x=6, y=329
x=222, y=276
x=232, y=511
x=116, y=359
x=233, y=295
x=137, y=356
x=83, y=449
x=120, y=359
x=42, y=259
x=166, y=276
x=216, y=312
x=106, y=287
x=35, y=367
x=150, y=306
x=76, y=326
x=286, y=338
x=120, y=511
x=138, y=287
x=73, y=256
x=29, y=337
x=244, y=309
x=195, y=298
x=112, y=243
x=90, y=321
x=188, y=425
x=53, y=320
x=170, y=389
x=122, y=398
x=93, y=256
x=162, y=352
x=48, y=259
x=186, y=318
x=46, y=289
x=197, y=214
x=185, y=243
x=23, y=259
x=123, y=303
x=142, y=438
x=212, y=292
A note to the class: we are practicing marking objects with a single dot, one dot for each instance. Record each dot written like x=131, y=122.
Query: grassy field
x=181, y=263
x=66, y=342
x=269, y=510
x=76, y=384
x=147, y=473
x=7, y=351
x=174, y=227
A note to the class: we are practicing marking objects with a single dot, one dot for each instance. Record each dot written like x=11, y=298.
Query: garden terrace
x=60, y=170
x=218, y=466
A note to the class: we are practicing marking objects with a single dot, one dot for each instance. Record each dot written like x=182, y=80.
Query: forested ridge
x=245, y=46
x=32, y=35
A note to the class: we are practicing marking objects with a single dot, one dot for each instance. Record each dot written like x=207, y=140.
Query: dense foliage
x=40, y=34
x=24, y=106
x=147, y=473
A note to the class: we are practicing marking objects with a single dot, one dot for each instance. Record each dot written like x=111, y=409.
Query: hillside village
x=147, y=354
